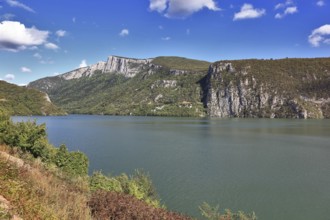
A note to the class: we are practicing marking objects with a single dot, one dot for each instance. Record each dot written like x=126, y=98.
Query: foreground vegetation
x=52, y=183
x=18, y=100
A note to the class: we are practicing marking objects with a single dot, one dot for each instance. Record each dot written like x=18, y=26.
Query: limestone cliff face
x=232, y=93
x=126, y=66
x=119, y=65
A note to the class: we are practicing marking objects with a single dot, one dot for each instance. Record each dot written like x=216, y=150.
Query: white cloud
x=249, y=12
x=7, y=16
x=188, y=31
x=14, y=36
x=51, y=46
x=158, y=5
x=320, y=3
x=26, y=70
x=33, y=48
x=283, y=5
x=38, y=56
x=124, y=33
x=289, y=6
x=160, y=27
x=318, y=36
x=14, y=3
x=9, y=77
x=289, y=10
x=83, y=64
x=166, y=38
x=181, y=8
x=74, y=19
x=60, y=33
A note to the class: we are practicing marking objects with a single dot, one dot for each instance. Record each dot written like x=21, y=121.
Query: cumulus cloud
x=320, y=3
x=25, y=70
x=166, y=38
x=124, y=33
x=181, y=8
x=83, y=64
x=320, y=35
x=249, y=12
x=38, y=56
x=289, y=8
x=60, y=33
x=14, y=3
x=51, y=46
x=158, y=5
x=14, y=36
x=9, y=77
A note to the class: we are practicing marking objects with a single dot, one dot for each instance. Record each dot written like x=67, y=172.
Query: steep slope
x=125, y=86
x=287, y=88
x=18, y=100
x=175, y=86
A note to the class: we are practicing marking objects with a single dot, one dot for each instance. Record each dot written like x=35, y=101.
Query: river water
x=278, y=168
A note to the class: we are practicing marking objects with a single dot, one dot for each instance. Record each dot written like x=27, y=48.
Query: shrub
x=138, y=185
x=73, y=163
x=113, y=205
x=212, y=213
x=32, y=138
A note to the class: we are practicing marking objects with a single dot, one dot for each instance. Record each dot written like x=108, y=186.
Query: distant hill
x=176, y=86
x=18, y=100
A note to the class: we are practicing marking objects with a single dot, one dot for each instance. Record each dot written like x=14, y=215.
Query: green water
x=278, y=168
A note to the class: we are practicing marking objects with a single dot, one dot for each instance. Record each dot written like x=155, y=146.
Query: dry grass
x=37, y=193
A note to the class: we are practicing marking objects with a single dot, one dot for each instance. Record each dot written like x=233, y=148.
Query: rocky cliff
x=290, y=88
x=285, y=88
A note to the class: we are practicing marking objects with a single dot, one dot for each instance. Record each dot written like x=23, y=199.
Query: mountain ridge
x=176, y=86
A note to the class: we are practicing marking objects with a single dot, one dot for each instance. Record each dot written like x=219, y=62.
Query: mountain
x=175, y=86
x=124, y=86
x=285, y=88
x=17, y=100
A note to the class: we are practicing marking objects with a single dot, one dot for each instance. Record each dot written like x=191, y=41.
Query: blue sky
x=44, y=38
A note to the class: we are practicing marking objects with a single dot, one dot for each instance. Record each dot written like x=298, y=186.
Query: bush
x=138, y=185
x=212, y=213
x=32, y=138
x=112, y=205
x=73, y=163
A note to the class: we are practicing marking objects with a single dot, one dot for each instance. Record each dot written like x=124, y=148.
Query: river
x=279, y=168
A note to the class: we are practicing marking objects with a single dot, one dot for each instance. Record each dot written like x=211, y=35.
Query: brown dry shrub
x=112, y=205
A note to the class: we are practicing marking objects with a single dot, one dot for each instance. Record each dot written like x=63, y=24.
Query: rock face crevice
x=232, y=93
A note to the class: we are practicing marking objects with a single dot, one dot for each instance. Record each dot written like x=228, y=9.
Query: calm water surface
x=278, y=168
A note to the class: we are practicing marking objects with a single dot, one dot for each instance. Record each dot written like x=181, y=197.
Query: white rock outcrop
x=239, y=94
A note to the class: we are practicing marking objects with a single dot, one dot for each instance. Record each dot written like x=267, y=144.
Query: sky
x=50, y=37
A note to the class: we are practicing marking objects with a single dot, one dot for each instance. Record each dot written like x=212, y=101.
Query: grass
x=181, y=63
x=36, y=192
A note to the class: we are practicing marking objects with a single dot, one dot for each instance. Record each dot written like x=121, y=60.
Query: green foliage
x=74, y=163
x=32, y=138
x=138, y=185
x=114, y=94
x=181, y=63
x=18, y=100
x=212, y=213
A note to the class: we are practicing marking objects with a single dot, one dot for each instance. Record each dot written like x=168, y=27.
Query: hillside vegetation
x=18, y=100
x=175, y=86
x=181, y=63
